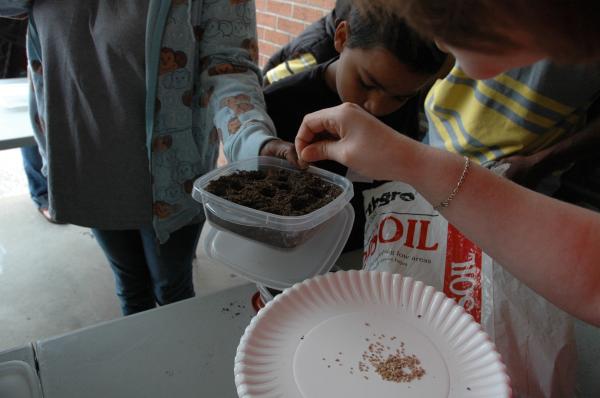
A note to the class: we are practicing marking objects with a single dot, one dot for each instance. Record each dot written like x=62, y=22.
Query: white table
x=181, y=350
x=15, y=124
x=24, y=353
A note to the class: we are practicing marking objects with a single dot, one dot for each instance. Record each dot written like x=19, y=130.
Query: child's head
x=488, y=37
x=382, y=62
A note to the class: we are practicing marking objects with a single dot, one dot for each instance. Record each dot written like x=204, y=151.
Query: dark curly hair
x=370, y=29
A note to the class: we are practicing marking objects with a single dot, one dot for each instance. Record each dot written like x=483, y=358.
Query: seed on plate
x=391, y=365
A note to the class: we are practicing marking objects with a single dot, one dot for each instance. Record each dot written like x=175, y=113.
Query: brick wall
x=278, y=21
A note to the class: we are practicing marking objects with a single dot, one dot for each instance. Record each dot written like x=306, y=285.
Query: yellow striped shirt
x=291, y=67
x=520, y=111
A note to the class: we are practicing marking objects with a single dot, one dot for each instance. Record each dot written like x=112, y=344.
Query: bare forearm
x=549, y=245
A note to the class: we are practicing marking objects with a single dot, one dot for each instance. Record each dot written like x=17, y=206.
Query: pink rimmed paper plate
x=366, y=334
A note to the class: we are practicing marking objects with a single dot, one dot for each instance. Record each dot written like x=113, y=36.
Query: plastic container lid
x=268, y=228
x=279, y=268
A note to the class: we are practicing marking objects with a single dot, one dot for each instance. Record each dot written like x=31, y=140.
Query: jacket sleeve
x=229, y=51
x=14, y=8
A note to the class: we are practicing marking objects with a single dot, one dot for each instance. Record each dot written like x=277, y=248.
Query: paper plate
x=326, y=337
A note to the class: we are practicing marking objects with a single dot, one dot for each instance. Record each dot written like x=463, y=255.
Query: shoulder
x=305, y=81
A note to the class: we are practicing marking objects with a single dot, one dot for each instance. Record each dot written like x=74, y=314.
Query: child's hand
x=351, y=136
x=283, y=150
x=525, y=170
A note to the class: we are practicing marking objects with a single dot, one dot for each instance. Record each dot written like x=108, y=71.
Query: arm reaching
x=529, y=170
x=549, y=245
x=229, y=51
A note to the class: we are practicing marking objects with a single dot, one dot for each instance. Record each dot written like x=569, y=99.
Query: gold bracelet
x=461, y=180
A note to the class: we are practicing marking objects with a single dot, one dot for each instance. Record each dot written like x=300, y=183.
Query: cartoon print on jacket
x=163, y=209
x=234, y=125
x=183, y=172
x=174, y=115
x=37, y=67
x=206, y=96
x=187, y=98
x=231, y=102
x=173, y=193
x=171, y=60
x=177, y=79
x=162, y=143
x=225, y=69
x=243, y=9
x=219, y=28
x=239, y=104
x=188, y=186
x=212, y=28
x=252, y=46
x=240, y=28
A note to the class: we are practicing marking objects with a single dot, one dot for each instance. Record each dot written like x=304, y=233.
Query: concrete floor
x=55, y=279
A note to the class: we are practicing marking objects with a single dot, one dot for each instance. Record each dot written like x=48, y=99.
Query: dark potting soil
x=276, y=191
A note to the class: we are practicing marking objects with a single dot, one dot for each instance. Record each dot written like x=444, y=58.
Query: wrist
x=409, y=156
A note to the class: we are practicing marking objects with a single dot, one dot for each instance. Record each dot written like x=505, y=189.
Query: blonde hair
x=566, y=30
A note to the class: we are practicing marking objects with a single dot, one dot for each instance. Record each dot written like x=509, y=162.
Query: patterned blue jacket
x=202, y=86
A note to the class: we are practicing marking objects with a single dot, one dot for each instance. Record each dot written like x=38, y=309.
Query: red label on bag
x=462, y=279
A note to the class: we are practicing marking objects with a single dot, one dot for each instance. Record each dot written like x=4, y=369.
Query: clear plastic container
x=280, y=231
x=278, y=268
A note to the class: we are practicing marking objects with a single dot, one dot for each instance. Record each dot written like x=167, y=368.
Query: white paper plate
x=309, y=340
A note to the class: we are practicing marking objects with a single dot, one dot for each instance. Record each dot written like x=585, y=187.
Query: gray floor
x=54, y=279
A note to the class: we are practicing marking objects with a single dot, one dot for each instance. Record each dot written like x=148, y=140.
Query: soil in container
x=277, y=191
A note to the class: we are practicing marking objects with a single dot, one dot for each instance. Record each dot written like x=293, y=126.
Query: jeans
x=147, y=273
x=38, y=185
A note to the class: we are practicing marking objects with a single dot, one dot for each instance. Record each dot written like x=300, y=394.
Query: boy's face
x=376, y=80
